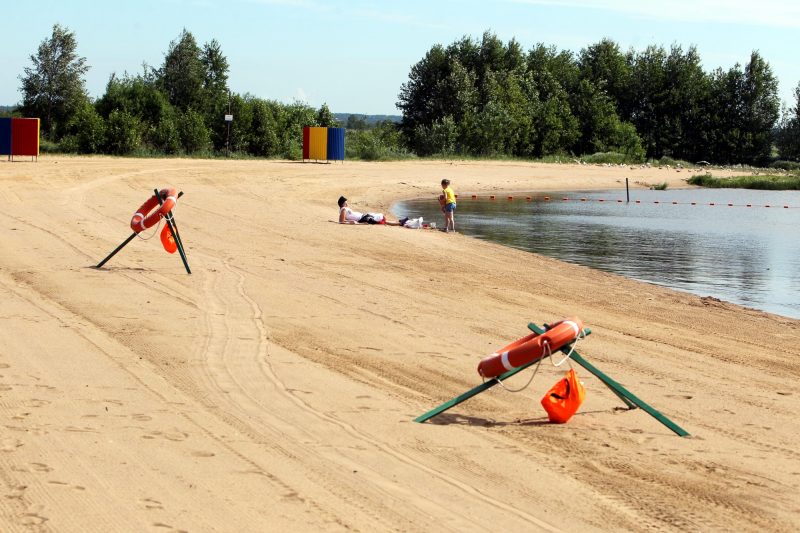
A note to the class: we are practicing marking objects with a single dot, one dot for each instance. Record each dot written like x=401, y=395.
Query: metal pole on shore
x=117, y=249
x=627, y=192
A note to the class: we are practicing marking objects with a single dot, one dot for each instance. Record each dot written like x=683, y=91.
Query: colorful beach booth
x=323, y=144
x=19, y=136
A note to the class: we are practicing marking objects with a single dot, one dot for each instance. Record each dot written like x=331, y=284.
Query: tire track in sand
x=269, y=372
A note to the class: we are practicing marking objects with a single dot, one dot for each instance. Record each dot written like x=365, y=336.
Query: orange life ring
x=530, y=348
x=143, y=218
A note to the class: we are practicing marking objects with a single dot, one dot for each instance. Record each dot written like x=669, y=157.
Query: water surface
x=745, y=255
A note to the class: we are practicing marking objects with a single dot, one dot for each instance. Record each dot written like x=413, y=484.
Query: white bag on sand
x=413, y=223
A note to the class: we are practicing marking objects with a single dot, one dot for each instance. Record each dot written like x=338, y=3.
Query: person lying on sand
x=348, y=216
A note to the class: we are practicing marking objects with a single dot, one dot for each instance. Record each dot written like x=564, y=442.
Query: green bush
x=68, y=144
x=88, y=129
x=123, y=134
x=165, y=136
x=668, y=161
x=294, y=150
x=48, y=147
x=600, y=158
x=193, y=132
x=770, y=183
x=263, y=141
x=377, y=144
x=785, y=165
x=627, y=141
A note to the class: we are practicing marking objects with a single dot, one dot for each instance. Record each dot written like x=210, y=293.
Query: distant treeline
x=490, y=98
x=355, y=121
x=475, y=99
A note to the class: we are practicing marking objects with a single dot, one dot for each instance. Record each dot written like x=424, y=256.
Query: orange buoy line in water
x=531, y=347
x=619, y=201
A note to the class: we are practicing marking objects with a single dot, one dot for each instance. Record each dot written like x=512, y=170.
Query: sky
x=354, y=55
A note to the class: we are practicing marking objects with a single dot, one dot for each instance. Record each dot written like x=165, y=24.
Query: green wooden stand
x=631, y=401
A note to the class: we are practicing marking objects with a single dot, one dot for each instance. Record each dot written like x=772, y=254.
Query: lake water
x=745, y=255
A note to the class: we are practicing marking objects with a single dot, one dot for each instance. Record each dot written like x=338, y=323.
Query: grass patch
x=766, y=182
x=659, y=186
x=613, y=158
x=668, y=161
x=785, y=165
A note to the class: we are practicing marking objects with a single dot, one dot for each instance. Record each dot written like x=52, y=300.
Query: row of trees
x=176, y=108
x=473, y=98
x=491, y=98
x=788, y=131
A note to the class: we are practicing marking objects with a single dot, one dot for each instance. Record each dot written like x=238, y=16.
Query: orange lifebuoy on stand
x=530, y=348
x=143, y=218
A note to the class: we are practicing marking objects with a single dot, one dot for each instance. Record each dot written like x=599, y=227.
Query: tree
x=54, y=88
x=137, y=95
x=165, y=136
x=325, y=118
x=761, y=107
x=439, y=138
x=607, y=68
x=744, y=108
x=685, y=115
x=193, y=132
x=242, y=111
x=788, y=134
x=561, y=66
x=726, y=112
x=647, y=97
x=420, y=99
x=263, y=140
x=216, y=95
x=88, y=129
x=183, y=74
x=122, y=133
x=601, y=128
x=215, y=69
x=291, y=119
x=552, y=77
x=356, y=122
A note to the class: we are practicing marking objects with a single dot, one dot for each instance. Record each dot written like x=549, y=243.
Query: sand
x=274, y=388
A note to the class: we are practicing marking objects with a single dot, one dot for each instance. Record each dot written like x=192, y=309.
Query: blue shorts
x=449, y=208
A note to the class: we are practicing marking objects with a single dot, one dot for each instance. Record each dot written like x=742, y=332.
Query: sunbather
x=348, y=216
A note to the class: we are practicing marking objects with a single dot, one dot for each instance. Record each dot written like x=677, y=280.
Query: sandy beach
x=274, y=388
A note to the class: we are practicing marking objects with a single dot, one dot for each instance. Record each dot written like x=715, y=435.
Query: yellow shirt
x=449, y=195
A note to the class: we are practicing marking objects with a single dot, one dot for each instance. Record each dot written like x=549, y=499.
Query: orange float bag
x=167, y=241
x=564, y=398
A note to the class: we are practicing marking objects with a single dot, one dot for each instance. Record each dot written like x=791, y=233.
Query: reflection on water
x=746, y=255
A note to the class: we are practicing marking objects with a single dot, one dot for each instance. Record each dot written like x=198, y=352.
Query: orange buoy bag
x=564, y=398
x=167, y=241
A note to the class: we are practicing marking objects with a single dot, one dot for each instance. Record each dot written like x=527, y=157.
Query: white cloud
x=772, y=13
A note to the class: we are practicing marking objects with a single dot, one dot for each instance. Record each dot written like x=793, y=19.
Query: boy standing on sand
x=448, y=206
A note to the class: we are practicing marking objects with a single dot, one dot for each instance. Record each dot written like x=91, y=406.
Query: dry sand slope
x=274, y=389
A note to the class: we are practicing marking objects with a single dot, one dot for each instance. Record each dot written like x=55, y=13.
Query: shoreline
x=755, y=300
x=278, y=383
